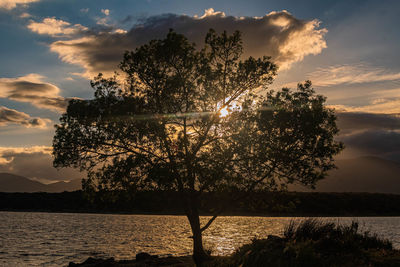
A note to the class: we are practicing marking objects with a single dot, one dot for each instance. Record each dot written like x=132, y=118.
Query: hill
x=15, y=183
x=364, y=174
x=62, y=186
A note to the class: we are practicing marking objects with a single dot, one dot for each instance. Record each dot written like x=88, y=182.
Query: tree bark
x=199, y=255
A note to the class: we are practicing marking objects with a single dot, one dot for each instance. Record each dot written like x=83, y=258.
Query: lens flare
x=224, y=112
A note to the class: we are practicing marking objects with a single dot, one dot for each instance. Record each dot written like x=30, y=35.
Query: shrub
x=313, y=242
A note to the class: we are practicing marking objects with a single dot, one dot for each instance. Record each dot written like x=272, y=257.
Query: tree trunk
x=199, y=255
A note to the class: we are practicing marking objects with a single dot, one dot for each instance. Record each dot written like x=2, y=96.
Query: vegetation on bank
x=307, y=243
x=316, y=243
x=164, y=202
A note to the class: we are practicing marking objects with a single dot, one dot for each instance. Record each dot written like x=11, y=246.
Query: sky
x=50, y=49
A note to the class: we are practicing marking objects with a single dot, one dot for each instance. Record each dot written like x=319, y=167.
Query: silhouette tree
x=195, y=121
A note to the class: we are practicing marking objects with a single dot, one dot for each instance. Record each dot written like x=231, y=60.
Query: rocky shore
x=310, y=243
x=142, y=260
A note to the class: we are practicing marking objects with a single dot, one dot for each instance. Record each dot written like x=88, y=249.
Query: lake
x=55, y=239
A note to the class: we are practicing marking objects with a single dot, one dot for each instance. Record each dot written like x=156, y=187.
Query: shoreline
x=144, y=260
x=261, y=204
x=308, y=243
x=209, y=215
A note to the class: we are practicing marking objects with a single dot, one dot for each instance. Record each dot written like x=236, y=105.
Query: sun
x=224, y=112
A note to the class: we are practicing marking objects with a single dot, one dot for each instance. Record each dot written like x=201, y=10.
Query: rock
x=92, y=262
x=274, y=238
x=143, y=256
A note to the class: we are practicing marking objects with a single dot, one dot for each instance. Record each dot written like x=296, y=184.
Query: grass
x=315, y=243
x=328, y=234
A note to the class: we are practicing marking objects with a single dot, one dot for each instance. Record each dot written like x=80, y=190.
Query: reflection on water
x=54, y=239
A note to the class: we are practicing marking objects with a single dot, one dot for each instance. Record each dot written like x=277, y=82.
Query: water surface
x=55, y=239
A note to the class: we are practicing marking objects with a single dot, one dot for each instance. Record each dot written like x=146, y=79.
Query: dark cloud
x=370, y=161
x=350, y=122
x=12, y=116
x=129, y=19
x=375, y=142
x=34, y=162
x=370, y=134
x=32, y=89
x=277, y=34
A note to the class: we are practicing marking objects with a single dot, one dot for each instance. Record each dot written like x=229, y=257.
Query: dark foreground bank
x=165, y=202
x=308, y=243
x=148, y=261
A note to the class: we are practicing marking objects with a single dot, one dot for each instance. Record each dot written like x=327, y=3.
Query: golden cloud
x=277, y=34
x=32, y=89
x=105, y=12
x=11, y=4
x=351, y=74
x=55, y=27
x=12, y=116
x=382, y=106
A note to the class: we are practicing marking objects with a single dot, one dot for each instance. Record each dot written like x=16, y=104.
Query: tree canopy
x=196, y=119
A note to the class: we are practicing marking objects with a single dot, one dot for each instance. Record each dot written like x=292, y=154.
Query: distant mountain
x=72, y=185
x=15, y=183
x=364, y=174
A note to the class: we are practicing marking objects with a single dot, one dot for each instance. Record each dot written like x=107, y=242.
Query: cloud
x=370, y=134
x=25, y=15
x=385, y=144
x=367, y=100
x=32, y=89
x=12, y=116
x=105, y=21
x=84, y=10
x=352, y=74
x=210, y=13
x=120, y=31
x=379, y=106
x=105, y=12
x=11, y=4
x=351, y=122
x=56, y=27
x=34, y=162
x=277, y=34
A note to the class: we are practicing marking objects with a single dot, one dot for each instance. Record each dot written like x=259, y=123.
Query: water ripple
x=52, y=239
